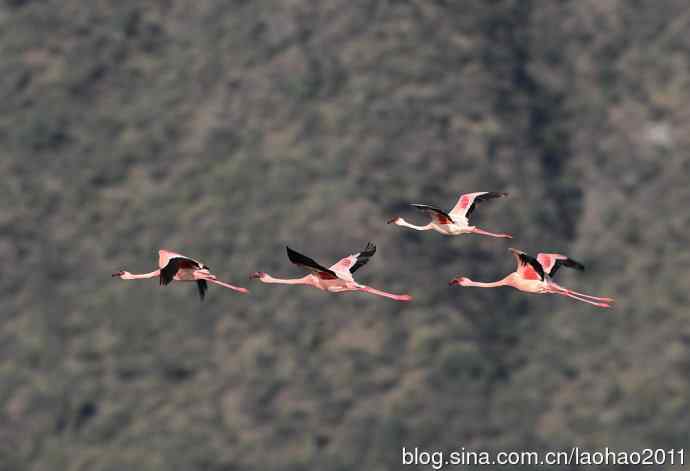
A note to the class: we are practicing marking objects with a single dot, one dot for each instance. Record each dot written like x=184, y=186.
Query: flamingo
x=173, y=266
x=456, y=221
x=336, y=279
x=536, y=276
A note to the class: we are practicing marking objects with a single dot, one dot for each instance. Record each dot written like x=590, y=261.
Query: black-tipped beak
x=116, y=274
x=255, y=275
x=391, y=221
x=454, y=281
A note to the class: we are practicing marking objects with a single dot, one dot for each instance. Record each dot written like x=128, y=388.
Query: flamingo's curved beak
x=118, y=274
x=454, y=281
x=391, y=221
x=256, y=275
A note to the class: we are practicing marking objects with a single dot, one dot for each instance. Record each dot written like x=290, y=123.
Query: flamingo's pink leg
x=226, y=285
x=588, y=301
x=595, y=298
x=476, y=230
x=582, y=295
x=397, y=297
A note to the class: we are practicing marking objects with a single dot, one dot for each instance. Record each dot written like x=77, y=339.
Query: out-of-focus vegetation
x=228, y=129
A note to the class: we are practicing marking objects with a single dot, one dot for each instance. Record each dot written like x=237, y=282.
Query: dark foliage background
x=228, y=129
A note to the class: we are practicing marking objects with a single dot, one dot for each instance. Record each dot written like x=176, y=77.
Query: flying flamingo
x=173, y=266
x=336, y=279
x=535, y=276
x=456, y=221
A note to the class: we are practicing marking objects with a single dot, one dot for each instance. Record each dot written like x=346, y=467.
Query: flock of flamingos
x=533, y=275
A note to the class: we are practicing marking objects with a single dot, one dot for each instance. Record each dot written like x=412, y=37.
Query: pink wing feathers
x=342, y=267
x=469, y=201
x=164, y=257
x=551, y=262
x=528, y=267
x=352, y=263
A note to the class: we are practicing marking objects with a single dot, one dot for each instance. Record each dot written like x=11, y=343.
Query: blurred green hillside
x=226, y=130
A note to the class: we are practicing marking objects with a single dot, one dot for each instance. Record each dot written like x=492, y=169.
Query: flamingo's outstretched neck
x=403, y=223
x=462, y=281
x=125, y=275
x=397, y=297
x=266, y=278
x=476, y=230
x=227, y=285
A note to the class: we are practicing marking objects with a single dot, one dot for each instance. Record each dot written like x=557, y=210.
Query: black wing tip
x=304, y=261
x=363, y=257
x=576, y=265
x=296, y=257
x=293, y=256
x=424, y=206
x=202, y=286
x=492, y=194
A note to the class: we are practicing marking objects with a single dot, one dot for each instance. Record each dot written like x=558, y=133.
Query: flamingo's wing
x=553, y=261
x=469, y=201
x=528, y=267
x=353, y=262
x=310, y=264
x=202, y=286
x=441, y=217
x=363, y=257
x=176, y=263
x=164, y=257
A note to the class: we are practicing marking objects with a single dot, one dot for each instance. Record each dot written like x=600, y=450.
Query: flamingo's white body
x=535, y=276
x=177, y=267
x=336, y=279
x=456, y=221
